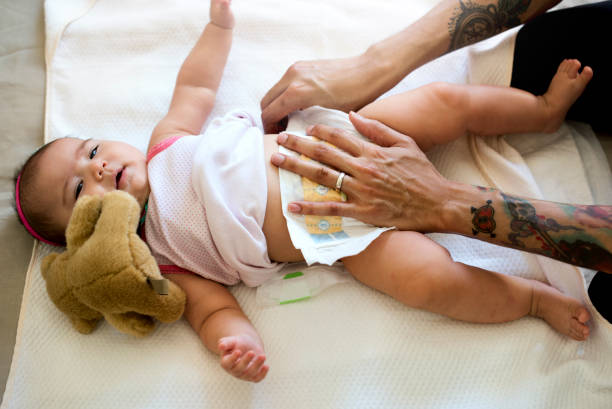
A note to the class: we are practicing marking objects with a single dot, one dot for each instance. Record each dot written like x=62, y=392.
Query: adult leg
x=579, y=32
x=420, y=273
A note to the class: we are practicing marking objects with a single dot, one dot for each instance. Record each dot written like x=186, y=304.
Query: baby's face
x=72, y=167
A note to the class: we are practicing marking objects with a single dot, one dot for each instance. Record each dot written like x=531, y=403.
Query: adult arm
x=351, y=83
x=394, y=184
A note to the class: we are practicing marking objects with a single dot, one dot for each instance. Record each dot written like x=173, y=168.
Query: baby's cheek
x=97, y=191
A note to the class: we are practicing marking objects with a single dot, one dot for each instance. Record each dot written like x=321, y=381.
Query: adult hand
x=345, y=84
x=388, y=183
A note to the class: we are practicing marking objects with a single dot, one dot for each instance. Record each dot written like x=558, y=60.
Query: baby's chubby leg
x=439, y=112
x=420, y=273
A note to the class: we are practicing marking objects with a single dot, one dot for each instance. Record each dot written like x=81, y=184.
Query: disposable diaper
x=321, y=239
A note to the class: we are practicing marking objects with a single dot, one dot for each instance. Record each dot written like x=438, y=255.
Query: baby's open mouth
x=118, y=178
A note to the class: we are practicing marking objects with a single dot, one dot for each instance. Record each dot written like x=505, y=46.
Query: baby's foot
x=564, y=89
x=565, y=314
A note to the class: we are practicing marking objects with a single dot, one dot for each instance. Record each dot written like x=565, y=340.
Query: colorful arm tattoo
x=483, y=219
x=577, y=246
x=474, y=22
x=577, y=241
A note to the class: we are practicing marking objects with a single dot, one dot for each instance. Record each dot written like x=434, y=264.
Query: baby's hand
x=221, y=13
x=243, y=357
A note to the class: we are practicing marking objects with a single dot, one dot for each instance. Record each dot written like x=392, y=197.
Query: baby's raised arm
x=216, y=317
x=198, y=79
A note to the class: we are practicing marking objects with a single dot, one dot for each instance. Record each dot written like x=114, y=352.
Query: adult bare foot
x=565, y=314
x=564, y=89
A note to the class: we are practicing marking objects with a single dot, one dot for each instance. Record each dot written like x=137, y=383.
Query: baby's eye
x=78, y=190
x=93, y=152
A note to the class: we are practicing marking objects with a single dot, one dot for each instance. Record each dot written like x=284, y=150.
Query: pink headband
x=25, y=221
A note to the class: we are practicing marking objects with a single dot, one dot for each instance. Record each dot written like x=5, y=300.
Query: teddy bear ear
x=83, y=221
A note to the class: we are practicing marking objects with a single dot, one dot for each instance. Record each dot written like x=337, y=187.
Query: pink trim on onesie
x=157, y=148
x=165, y=268
x=160, y=146
x=172, y=269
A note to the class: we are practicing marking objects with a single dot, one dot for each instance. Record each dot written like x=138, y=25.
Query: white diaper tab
x=321, y=239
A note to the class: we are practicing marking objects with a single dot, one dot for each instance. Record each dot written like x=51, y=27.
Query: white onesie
x=208, y=202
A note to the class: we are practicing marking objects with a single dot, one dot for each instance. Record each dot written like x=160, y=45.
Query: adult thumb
x=377, y=132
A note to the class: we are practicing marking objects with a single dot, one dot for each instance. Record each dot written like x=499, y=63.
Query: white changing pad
x=111, y=68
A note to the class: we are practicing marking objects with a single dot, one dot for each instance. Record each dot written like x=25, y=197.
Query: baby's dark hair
x=36, y=216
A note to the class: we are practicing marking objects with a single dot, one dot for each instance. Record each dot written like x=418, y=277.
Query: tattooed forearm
x=485, y=189
x=591, y=216
x=473, y=22
x=572, y=242
x=483, y=219
x=525, y=222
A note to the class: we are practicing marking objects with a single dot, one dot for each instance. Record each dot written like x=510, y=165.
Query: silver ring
x=339, y=180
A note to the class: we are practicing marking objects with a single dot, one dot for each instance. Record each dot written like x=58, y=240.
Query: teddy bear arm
x=84, y=326
x=131, y=323
x=128, y=291
x=62, y=294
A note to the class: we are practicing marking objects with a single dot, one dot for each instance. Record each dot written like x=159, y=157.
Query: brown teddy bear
x=108, y=271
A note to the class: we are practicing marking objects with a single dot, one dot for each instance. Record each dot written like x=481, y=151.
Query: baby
x=210, y=234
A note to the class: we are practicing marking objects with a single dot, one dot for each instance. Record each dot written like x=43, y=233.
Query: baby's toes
x=578, y=330
x=572, y=68
x=564, y=66
x=582, y=314
x=586, y=75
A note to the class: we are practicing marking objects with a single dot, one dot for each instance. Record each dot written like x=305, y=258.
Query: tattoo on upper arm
x=473, y=22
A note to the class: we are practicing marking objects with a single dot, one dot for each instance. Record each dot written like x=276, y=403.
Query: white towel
x=110, y=74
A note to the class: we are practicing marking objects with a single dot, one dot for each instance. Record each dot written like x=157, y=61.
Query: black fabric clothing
x=581, y=32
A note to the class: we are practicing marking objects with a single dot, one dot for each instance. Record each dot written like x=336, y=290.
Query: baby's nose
x=100, y=167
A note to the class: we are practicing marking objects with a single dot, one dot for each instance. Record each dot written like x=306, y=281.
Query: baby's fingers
x=254, y=370
x=229, y=361
x=226, y=344
x=261, y=374
x=241, y=367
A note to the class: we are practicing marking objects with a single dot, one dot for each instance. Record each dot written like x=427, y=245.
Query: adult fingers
x=317, y=150
x=314, y=171
x=277, y=88
x=341, y=138
x=287, y=102
x=378, y=132
x=344, y=209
